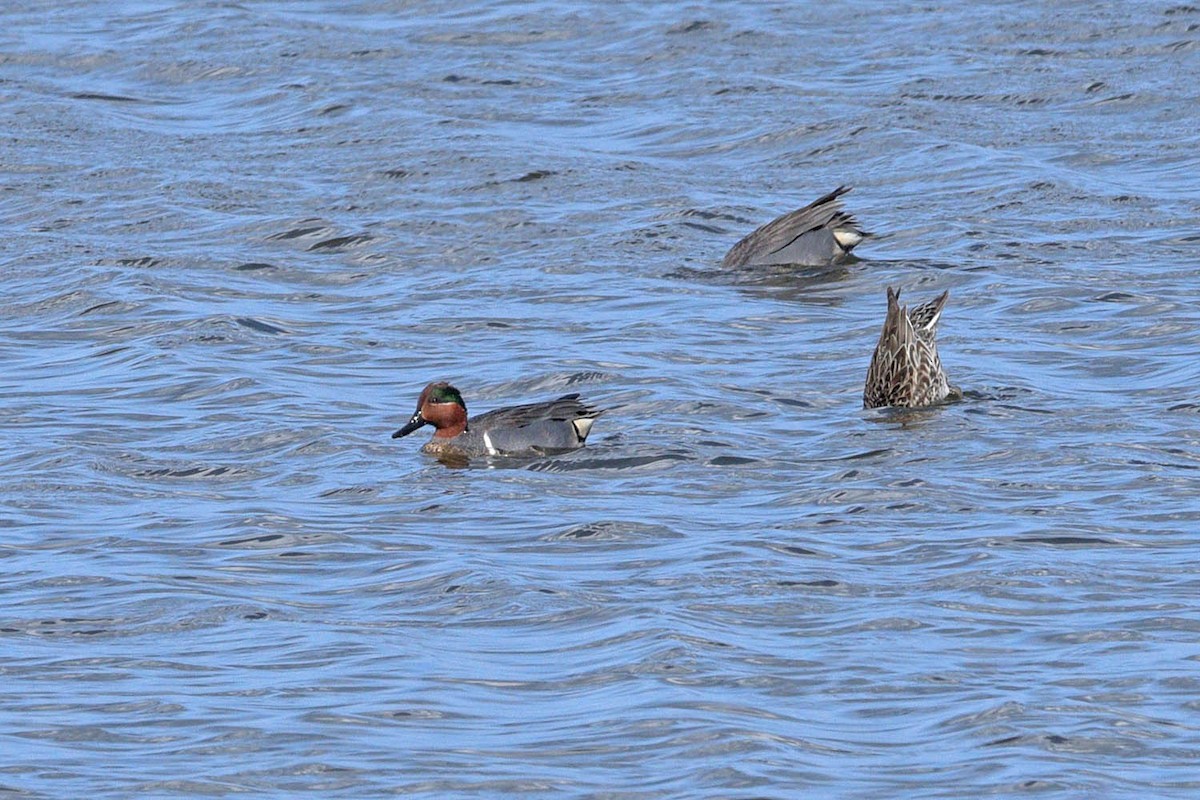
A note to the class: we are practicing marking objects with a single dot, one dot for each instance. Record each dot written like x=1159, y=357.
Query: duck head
x=442, y=406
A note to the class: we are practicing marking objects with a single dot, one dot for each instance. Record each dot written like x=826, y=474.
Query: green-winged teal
x=553, y=426
x=818, y=234
x=905, y=369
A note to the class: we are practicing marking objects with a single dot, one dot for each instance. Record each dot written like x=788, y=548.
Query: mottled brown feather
x=905, y=369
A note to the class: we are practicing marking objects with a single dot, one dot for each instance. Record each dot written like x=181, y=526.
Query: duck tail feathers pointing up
x=925, y=316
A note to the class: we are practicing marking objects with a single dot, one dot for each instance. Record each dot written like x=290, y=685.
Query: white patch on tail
x=583, y=426
x=847, y=238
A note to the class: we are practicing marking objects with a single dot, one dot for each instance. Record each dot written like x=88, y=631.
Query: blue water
x=237, y=240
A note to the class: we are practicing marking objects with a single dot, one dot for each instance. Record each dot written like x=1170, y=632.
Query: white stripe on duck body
x=533, y=429
x=905, y=368
x=820, y=233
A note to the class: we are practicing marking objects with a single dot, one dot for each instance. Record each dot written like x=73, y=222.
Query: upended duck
x=534, y=429
x=905, y=369
x=820, y=233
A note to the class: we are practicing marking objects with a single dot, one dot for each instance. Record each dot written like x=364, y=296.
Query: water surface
x=239, y=238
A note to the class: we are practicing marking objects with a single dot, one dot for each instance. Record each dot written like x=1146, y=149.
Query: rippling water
x=239, y=238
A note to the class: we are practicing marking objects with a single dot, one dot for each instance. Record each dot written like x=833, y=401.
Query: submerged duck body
x=905, y=368
x=534, y=429
x=820, y=233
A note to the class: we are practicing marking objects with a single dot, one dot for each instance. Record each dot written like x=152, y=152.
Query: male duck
x=905, y=369
x=816, y=235
x=553, y=426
